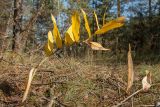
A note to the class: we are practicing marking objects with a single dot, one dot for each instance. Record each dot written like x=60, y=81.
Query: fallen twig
x=54, y=100
x=119, y=104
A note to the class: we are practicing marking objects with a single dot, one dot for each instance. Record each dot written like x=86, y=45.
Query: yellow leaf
x=146, y=82
x=95, y=15
x=47, y=51
x=111, y=25
x=76, y=26
x=56, y=33
x=86, y=23
x=49, y=45
x=104, y=18
x=130, y=71
x=69, y=38
x=53, y=19
x=50, y=41
x=95, y=45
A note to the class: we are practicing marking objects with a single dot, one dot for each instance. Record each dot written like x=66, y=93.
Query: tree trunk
x=150, y=8
x=17, y=19
x=117, y=38
x=118, y=8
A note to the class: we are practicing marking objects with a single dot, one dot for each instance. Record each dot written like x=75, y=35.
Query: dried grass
x=74, y=82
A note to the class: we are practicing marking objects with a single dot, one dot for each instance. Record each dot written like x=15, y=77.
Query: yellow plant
x=72, y=35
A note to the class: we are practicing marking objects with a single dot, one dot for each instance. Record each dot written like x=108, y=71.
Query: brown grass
x=72, y=82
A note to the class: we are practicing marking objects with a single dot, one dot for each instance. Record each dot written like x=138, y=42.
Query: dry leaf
x=30, y=78
x=130, y=71
x=95, y=45
x=76, y=26
x=111, y=25
x=86, y=23
x=56, y=33
x=146, y=82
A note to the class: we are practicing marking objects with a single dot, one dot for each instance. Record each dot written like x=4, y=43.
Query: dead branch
x=119, y=104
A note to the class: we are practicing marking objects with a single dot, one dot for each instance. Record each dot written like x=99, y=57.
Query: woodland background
x=25, y=23
x=77, y=75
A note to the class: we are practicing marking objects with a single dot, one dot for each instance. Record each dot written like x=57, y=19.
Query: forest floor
x=70, y=82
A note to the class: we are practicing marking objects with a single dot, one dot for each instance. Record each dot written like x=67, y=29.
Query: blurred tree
x=17, y=26
x=28, y=21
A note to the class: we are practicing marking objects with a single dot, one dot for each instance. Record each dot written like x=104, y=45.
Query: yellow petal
x=76, y=26
x=95, y=15
x=86, y=23
x=48, y=48
x=56, y=33
x=111, y=25
x=69, y=38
